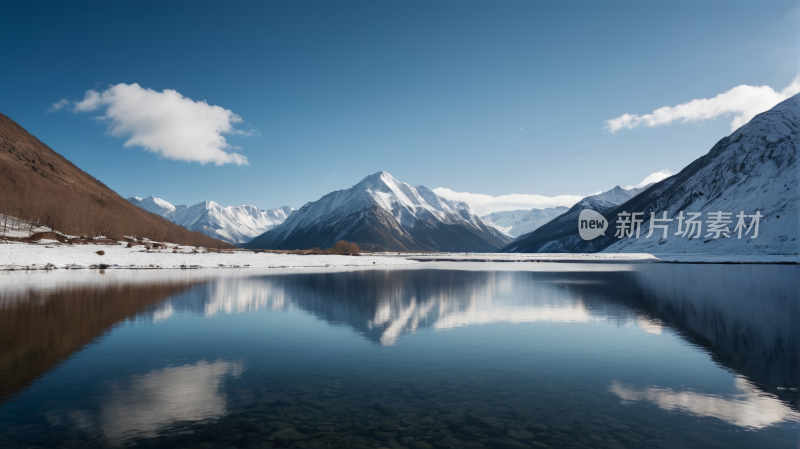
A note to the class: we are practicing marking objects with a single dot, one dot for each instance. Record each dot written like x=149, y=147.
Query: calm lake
x=458, y=355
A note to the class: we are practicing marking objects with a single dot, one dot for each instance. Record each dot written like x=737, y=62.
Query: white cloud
x=655, y=177
x=251, y=133
x=167, y=123
x=744, y=102
x=58, y=105
x=91, y=101
x=486, y=204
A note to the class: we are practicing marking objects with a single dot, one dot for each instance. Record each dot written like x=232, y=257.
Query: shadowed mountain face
x=562, y=224
x=561, y=227
x=383, y=211
x=754, y=169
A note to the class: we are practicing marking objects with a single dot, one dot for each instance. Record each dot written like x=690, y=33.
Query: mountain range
x=515, y=223
x=380, y=210
x=753, y=172
x=234, y=224
x=598, y=202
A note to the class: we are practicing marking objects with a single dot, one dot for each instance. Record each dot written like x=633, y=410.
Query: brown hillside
x=40, y=185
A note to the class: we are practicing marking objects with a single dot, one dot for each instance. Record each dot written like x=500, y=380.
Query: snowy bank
x=597, y=257
x=49, y=254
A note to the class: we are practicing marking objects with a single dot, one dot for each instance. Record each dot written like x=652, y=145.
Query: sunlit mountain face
x=683, y=354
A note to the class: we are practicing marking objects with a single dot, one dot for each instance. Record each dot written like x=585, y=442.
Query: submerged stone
x=504, y=443
x=386, y=409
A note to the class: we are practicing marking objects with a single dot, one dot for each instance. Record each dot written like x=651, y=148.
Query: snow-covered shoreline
x=48, y=254
x=599, y=257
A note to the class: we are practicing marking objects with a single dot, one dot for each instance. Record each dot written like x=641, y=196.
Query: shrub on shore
x=343, y=247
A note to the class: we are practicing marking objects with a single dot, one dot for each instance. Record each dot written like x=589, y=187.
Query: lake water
x=470, y=355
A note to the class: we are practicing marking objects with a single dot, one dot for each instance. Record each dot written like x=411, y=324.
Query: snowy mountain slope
x=382, y=210
x=154, y=205
x=515, y=223
x=566, y=223
x=755, y=169
x=652, y=179
x=619, y=195
x=233, y=224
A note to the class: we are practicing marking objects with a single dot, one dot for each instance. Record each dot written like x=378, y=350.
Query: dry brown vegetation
x=42, y=187
x=63, y=239
x=341, y=247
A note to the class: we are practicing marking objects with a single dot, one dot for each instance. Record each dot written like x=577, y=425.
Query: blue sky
x=484, y=97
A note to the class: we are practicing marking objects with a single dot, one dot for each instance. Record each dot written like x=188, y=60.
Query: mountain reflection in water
x=742, y=317
x=44, y=319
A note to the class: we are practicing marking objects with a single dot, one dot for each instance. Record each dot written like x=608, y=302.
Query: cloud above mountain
x=486, y=204
x=744, y=102
x=167, y=123
x=655, y=177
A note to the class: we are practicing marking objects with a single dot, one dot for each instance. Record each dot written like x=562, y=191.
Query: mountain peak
x=379, y=175
x=153, y=204
x=650, y=180
x=753, y=170
x=381, y=179
x=381, y=209
x=233, y=224
x=791, y=103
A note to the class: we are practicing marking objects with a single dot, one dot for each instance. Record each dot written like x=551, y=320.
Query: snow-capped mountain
x=154, y=205
x=754, y=170
x=619, y=195
x=567, y=220
x=652, y=179
x=515, y=223
x=382, y=210
x=233, y=224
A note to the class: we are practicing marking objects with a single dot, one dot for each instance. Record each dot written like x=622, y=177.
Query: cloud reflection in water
x=146, y=403
x=748, y=408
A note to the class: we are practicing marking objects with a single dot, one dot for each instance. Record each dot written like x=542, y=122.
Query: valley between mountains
x=753, y=171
